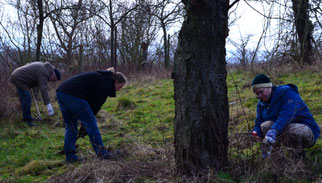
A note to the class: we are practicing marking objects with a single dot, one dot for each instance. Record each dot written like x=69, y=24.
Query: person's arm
x=43, y=86
x=258, y=121
x=290, y=107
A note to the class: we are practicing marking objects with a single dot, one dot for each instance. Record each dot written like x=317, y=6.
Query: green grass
x=21, y=145
x=151, y=113
x=141, y=113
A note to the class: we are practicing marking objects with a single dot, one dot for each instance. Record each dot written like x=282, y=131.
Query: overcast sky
x=249, y=22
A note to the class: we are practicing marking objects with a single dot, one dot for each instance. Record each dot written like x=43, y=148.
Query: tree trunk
x=81, y=58
x=304, y=29
x=39, y=29
x=115, y=49
x=168, y=50
x=112, y=45
x=165, y=47
x=113, y=27
x=144, y=55
x=201, y=102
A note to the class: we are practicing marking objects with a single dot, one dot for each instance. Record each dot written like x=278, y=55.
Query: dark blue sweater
x=94, y=87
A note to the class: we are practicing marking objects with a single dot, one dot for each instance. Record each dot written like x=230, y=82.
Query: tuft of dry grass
x=35, y=167
x=143, y=164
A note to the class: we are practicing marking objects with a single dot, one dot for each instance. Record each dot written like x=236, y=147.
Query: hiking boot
x=61, y=152
x=113, y=156
x=75, y=159
x=29, y=123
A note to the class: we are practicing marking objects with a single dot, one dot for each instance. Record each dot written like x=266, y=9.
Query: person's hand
x=50, y=109
x=82, y=132
x=255, y=136
x=266, y=150
x=270, y=137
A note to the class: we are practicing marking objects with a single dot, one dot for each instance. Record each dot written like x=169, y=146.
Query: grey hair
x=118, y=76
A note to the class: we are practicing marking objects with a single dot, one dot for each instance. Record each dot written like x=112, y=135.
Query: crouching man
x=283, y=117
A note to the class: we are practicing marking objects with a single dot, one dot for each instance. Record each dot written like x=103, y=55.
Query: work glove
x=82, y=132
x=270, y=137
x=255, y=136
x=50, y=109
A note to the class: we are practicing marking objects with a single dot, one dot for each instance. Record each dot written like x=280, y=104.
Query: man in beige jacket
x=35, y=74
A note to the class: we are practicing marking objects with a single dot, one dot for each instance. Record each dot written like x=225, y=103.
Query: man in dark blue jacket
x=80, y=97
x=283, y=116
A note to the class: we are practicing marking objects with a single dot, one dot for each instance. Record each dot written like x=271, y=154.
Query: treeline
x=291, y=34
x=87, y=32
x=136, y=33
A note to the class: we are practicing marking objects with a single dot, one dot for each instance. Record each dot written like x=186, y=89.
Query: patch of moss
x=35, y=167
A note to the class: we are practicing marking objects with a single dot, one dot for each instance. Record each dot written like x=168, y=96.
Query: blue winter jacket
x=285, y=107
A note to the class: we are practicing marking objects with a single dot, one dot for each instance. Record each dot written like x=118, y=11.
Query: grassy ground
x=139, y=122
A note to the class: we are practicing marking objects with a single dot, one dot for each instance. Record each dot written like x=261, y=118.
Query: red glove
x=255, y=137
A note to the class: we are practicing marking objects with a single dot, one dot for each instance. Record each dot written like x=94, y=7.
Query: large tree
x=201, y=103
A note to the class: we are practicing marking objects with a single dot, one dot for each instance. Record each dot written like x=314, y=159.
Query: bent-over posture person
x=80, y=98
x=34, y=74
x=283, y=117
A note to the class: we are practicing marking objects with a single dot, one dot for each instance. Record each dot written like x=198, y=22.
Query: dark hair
x=58, y=75
x=120, y=77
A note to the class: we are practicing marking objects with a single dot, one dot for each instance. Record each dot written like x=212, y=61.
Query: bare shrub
x=8, y=102
x=147, y=75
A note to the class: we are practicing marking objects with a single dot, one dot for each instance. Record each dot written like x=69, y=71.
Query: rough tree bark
x=201, y=102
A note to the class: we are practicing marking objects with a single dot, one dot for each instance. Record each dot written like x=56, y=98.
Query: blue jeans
x=25, y=100
x=74, y=109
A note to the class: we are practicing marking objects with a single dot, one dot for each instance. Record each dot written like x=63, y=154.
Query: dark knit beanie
x=261, y=81
x=58, y=75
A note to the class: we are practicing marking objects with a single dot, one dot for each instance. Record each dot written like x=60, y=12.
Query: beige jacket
x=34, y=74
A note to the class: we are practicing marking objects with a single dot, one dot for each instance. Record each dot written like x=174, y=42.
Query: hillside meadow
x=139, y=122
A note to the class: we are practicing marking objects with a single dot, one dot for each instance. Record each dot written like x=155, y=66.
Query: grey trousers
x=295, y=135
